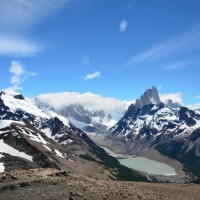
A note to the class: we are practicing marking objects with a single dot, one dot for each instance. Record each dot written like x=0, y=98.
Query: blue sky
x=115, y=48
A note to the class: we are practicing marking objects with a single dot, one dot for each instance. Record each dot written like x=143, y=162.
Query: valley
x=99, y=100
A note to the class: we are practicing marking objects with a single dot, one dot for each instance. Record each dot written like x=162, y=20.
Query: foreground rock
x=54, y=184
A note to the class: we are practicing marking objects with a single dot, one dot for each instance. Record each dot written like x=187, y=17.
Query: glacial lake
x=151, y=167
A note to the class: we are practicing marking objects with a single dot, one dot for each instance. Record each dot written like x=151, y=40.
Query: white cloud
x=88, y=100
x=19, y=74
x=17, y=70
x=184, y=44
x=175, y=97
x=16, y=19
x=123, y=26
x=96, y=74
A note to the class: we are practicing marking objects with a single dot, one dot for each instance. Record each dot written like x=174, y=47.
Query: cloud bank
x=175, y=97
x=88, y=100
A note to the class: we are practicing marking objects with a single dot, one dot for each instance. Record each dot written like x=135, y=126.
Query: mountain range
x=148, y=124
x=35, y=133
x=91, y=113
x=170, y=129
x=33, y=136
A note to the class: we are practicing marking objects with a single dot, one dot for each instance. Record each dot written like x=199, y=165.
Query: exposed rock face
x=149, y=97
x=19, y=96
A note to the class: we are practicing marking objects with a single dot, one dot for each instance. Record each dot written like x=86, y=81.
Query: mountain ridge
x=174, y=132
x=50, y=140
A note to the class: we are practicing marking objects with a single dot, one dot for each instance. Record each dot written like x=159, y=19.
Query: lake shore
x=152, y=154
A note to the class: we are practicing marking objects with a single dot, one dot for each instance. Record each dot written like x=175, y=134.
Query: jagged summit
x=150, y=96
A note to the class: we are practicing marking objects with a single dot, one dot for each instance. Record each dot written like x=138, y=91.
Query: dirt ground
x=52, y=184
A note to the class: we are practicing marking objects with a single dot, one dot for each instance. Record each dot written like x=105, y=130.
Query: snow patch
x=4, y=148
x=68, y=141
x=58, y=153
x=47, y=132
x=71, y=160
x=35, y=137
x=47, y=147
x=1, y=156
x=6, y=123
x=2, y=168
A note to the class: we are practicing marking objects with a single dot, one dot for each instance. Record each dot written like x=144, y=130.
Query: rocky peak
x=19, y=96
x=150, y=96
x=172, y=104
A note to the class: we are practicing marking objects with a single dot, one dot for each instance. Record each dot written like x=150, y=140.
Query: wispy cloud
x=96, y=74
x=184, y=44
x=19, y=74
x=123, y=26
x=197, y=97
x=176, y=65
x=160, y=87
x=23, y=13
x=19, y=46
x=16, y=19
x=86, y=60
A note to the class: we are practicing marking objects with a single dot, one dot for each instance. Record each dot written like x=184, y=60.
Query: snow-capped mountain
x=173, y=130
x=90, y=121
x=23, y=125
x=32, y=137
